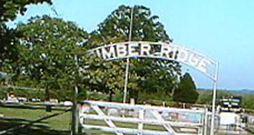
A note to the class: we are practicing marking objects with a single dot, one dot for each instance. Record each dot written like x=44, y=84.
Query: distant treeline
x=205, y=97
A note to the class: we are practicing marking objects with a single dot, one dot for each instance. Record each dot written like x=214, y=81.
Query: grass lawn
x=57, y=125
x=14, y=117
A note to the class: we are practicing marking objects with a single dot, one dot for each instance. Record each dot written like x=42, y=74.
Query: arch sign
x=159, y=50
x=165, y=51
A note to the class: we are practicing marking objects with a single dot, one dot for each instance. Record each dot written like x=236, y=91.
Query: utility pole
x=128, y=60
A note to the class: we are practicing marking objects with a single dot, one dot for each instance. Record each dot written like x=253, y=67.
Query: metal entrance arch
x=166, y=51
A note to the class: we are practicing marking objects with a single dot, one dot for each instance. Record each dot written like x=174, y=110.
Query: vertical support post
x=141, y=125
x=75, y=120
x=205, y=122
x=214, y=99
x=127, y=61
x=126, y=80
x=74, y=125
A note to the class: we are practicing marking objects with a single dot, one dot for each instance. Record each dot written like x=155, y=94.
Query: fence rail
x=119, y=118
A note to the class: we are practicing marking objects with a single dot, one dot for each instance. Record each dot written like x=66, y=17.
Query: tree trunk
x=47, y=98
x=111, y=93
x=134, y=94
x=47, y=95
x=75, y=121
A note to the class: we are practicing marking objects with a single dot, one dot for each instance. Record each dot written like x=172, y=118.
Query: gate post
x=141, y=125
x=214, y=98
x=75, y=117
x=205, y=122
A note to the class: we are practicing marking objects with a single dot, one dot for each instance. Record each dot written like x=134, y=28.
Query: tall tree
x=9, y=9
x=52, y=54
x=49, y=47
x=8, y=51
x=106, y=77
x=186, y=91
x=146, y=27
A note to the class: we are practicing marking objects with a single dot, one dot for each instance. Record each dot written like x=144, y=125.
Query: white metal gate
x=120, y=119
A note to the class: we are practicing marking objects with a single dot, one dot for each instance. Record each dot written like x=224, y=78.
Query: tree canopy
x=146, y=27
x=186, y=91
x=48, y=48
x=9, y=9
x=52, y=53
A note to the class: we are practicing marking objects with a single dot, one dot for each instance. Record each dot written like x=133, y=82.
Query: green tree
x=146, y=27
x=48, y=49
x=205, y=97
x=106, y=77
x=248, y=101
x=52, y=54
x=186, y=91
x=9, y=9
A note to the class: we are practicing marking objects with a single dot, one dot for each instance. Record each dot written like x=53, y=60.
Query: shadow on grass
x=32, y=107
x=16, y=126
x=24, y=128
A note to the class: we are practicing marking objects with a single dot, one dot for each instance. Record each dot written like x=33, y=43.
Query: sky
x=222, y=30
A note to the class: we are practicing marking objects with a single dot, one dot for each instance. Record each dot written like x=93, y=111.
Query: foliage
x=248, y=101
x=101, y=76
x=205, y=97
x=8, y=51
x=48, y=49
x=21, y=93
x=9, y=9
x=186, y=91
x=146, y=27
